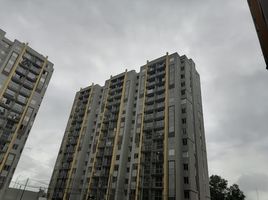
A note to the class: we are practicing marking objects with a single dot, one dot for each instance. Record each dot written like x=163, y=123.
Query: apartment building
x=24, y=77
x=138, y=137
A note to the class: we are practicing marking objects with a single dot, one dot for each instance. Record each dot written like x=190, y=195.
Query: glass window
x=186, y=180
x=171, y=74
x=172, y=181
x=142, y=84
x=42, y=81
x=186, y=194
x=127, y=89
x=10, y=93
x=21, y=99
x=31, y=76
x=171, y=119
x=184, y=141
x=10, y=157
x=27, y=116
x=11, y=62
x=185, y=167
x=185, y=154
x=171, y=152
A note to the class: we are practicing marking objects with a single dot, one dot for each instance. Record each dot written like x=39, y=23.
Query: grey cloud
x=254, y=181
x=90, y=40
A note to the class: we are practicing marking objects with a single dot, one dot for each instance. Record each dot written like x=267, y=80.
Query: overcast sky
x=90, y=40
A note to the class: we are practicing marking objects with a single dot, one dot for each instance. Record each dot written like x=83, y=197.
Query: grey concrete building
x=138, y=137
x=24, y=77
x=20, y=194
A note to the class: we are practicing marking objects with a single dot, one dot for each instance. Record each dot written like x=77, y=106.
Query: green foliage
x=219, y=189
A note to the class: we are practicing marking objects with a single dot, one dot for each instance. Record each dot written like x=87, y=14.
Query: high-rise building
x=24, y=77
x=259, y=12
x=139, y=137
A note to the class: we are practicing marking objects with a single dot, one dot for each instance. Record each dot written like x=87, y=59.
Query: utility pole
x=24, y=189
x=257, y=194
x=18, y=192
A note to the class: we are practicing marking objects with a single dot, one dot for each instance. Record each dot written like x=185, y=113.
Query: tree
x=234, y=193
x=219, y=189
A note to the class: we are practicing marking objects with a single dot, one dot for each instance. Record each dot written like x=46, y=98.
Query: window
x=42, y=81
x=171, y=174
x=183, y=101
x=185, y=167
x=185, y=154
x=186, y=194
x=15, y=146
x=11, y=62
x=171, y=119
x=184, y=141
x=182, y=76
x=183, y=92
x=21, y=99
x=127, y=89
x=183, y=120
x=183, y=110
x=182, y=68
x=117, y=157
x=116, y=168
x=171, y=152
x=7, y=167
x=183, y=84
x=171, y=75
x=171, y=60
x=142, y=83
x=186, y=180
x=10, y=157
x=5, y=44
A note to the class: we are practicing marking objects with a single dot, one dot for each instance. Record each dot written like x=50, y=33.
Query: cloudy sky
x=90, y=40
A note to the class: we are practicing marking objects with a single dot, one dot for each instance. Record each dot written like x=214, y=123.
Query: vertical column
x=137, y=194
x=165, y=177
x=116, y=138
x=98, y=143
x=81, y=133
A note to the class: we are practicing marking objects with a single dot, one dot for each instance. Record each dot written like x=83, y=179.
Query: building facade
x=259, y=12
x=138, y=137
x=24, y=77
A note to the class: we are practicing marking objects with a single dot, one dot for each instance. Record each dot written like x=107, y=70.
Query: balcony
x=149, y=117
x=20, y=71
x=25, y=92
x=160, y=89
x=159, y=124
x=160, y=115
x=149, y=109
x=158, y=135
x=148, y=126
x=99, y=154
x=34, y=70
x=150, y=84
x=28, y=85
x=160, y=98
x=150, y=100
x=160, y=106
x=150, y=92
